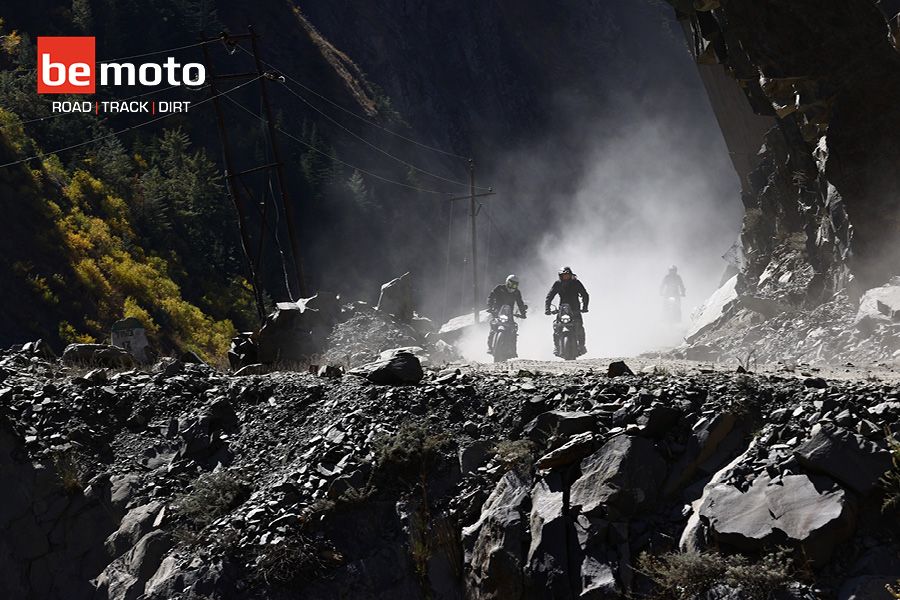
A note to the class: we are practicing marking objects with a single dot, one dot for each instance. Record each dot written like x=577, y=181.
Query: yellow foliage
x=10, y=42
x=133, y=309
x=70, y=335
x=113, y=275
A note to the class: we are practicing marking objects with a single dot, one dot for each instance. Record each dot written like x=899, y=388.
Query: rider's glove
x=547, y=311
x=584, y=310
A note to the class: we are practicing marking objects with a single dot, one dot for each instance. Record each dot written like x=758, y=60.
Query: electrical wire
x=108, y=60
x=335, y=159
x=126, y=129
x=353, y=114
x=377, y=148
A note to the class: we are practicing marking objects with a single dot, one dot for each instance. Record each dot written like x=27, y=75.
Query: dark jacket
x=672, y=285
x=569, y=293
x=501, y=296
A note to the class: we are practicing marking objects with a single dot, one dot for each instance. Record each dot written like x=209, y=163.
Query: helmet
x=565, y=271
x=673, y=269
x=512, y=282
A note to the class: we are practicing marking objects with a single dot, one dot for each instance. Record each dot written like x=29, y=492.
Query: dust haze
x=658, y=190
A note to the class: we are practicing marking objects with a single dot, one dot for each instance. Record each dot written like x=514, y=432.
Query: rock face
x=823, y=167
x=807, y=132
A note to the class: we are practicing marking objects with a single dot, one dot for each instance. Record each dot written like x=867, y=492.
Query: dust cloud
x=659, y=190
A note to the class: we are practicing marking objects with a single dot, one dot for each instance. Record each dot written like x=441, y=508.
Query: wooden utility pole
x=286, y=203
x=233, y=192
x=234, y=179
x=472, y=215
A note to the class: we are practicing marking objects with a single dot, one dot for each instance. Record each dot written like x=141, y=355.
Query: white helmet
x=512, y=282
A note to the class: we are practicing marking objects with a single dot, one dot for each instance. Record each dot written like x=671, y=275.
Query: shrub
x=515, y=454
x=69, y=472
x=685, y=575
x=409, y=452
x=298, y=557
x=213, y=495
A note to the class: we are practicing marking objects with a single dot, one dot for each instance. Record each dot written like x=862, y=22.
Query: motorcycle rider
x=570, y=290
x=505, y=294
x=673, y=287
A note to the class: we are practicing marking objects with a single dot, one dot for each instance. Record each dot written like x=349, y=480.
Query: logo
x=68, y=65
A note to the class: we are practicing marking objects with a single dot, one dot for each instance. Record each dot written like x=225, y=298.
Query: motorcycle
x=672, y=309
x=505, y=332
x=565, y=329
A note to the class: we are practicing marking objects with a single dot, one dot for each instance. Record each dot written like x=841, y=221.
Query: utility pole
x=233, y=192
x=279, y=171
x=472, y=215
x=234, y=179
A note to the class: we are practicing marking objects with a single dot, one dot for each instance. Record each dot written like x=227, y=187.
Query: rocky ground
x=755, y=331
x=527, y=480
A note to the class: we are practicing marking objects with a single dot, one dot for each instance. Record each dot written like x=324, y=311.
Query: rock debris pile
x=179, y=481
x=834, y=332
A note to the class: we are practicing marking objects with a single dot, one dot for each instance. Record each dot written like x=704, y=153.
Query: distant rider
x=673, y=287
x=505, y=294
x=571, y=292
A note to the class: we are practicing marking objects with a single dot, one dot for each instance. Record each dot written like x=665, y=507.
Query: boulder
x=811, y=511
x=135, y=525
x=657, y=420
x=708, y=437
x=692, y=538
x=620, y=479
x=559, y=423
x=572, y=451
x=881, y=304
x=399, y=368
x=618, y=369
x=297, y=330
x=547, y=560
x=396, y=298
x=97, y=355
x=495, y=545
x=845, y=456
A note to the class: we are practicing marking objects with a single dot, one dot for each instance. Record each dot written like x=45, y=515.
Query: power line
x=157, y=52
x=374, y=146
x=356, y=116
x=115, y=133
x=334, y=158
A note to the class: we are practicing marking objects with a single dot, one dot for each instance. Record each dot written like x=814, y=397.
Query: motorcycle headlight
x=565, y=318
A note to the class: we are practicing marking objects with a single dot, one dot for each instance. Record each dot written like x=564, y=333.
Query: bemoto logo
x=67, y=65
